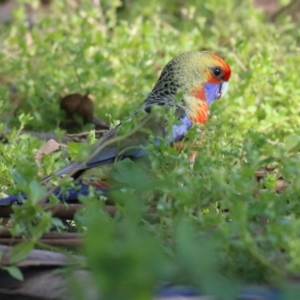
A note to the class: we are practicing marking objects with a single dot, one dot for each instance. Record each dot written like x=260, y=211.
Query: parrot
x=186, y=88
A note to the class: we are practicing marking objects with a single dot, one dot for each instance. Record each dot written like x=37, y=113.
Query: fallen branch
x=61, y=211
x=40, y=258
x=290, y=8
x=45, y=136
x=4, y=233
x=51, y=242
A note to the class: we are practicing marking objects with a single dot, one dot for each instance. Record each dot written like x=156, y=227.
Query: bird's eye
x=217, y=72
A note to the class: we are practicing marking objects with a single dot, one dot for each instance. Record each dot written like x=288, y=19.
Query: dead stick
x=65, y=212
x=51, y=242
x=45, y=136
x=48, y=235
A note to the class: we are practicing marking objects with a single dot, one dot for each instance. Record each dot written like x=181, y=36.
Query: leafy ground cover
x=215, y=226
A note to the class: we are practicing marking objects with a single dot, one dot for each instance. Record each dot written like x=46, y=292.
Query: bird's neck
x=196, y=109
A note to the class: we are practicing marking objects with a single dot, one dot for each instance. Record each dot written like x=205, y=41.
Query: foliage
x=214, y=223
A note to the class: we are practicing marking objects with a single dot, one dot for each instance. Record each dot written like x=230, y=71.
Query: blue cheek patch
x=211, y=92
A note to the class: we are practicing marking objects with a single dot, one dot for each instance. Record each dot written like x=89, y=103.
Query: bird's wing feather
x=114, y=146
x=80, y=189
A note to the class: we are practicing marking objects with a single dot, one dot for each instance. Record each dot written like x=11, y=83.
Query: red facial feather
x=224, y=65
x=212, y=79
x=199, y=93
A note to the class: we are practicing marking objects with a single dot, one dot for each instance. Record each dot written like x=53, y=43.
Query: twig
x=78, y=137
x=50, y=242
x=39, y=257
x=61, y=211
x=4, y=233
x=239, y=62
x=44, y=136
x=84, y=134
x=102, y=20
x=285, y=9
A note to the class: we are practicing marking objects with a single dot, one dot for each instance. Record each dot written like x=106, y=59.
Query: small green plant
x=213, y=223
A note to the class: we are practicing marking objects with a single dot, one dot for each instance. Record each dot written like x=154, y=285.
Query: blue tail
x=15, y=199
x=68, y=197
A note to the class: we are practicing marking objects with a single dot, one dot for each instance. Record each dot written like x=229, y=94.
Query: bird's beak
x=223, y=89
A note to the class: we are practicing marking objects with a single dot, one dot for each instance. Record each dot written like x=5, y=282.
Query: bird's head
x=198, y=77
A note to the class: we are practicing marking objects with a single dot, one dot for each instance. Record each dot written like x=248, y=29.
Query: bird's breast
x=197, y=109
x=201, y=113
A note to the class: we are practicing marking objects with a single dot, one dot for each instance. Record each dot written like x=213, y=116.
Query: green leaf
x=20, y=251
x=79, y=151
x=131, y=174
x=15, y=272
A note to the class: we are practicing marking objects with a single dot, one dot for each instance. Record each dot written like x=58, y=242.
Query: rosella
x=186, y=88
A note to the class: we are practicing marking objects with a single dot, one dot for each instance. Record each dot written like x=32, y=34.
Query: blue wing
x=134, y=150
x=108, y=154
x=68, y=196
